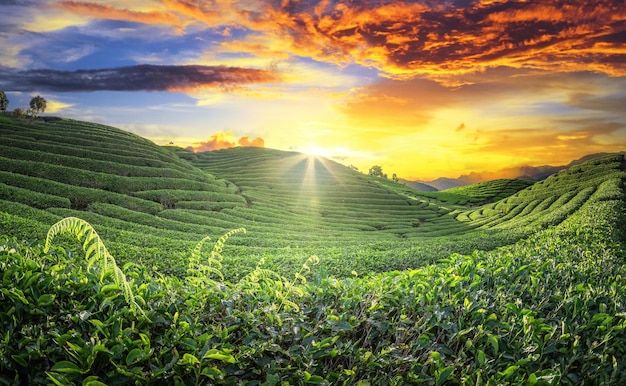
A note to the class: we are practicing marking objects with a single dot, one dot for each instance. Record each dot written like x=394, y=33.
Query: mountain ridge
x=524, y=172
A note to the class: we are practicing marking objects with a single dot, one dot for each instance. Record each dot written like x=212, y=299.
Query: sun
x=312, y=149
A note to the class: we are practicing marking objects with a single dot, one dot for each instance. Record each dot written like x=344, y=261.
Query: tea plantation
x=108, y=276
x=153, y=204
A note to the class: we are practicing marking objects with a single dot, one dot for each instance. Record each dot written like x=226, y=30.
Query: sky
x=423, y=88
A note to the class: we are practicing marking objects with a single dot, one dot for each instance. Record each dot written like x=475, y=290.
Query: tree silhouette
x=37, y=105
x=19, y=113
x=4, y=101
x=376, y=171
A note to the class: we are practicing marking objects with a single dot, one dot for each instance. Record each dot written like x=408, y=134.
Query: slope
x=153, y=204
x=551, y=201
x=121, y=182
x=546, y=310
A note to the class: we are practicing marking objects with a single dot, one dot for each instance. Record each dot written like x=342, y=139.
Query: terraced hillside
x=488, y=191
x=155, y=203
x=160, y=204
x=546, y=309
x=550, y=202
x=119, y=181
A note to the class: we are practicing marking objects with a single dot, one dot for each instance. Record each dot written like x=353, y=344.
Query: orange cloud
x=219, y=141
x=199, y=11
x=108, y=12
x=405, y=39
x=246, y=142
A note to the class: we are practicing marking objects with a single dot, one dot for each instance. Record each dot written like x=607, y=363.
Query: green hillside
x=488, y=191
x=152, y=201
x=528, y=289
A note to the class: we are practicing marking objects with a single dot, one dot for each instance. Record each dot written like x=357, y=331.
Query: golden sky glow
x=423, y=88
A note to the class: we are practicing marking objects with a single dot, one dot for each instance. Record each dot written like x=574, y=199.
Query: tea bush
x=546, y=310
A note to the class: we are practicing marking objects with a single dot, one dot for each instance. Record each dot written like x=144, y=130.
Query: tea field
x=153, y=204
x=108, y=276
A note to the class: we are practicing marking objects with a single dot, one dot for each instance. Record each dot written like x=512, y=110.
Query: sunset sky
x=423, y=88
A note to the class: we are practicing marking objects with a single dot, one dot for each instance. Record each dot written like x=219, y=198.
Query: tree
x=4, y=101
x=19, y=113
x=395, y=177
x=37, y=105
x=376, y=171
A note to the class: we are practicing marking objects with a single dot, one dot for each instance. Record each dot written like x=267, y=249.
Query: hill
x=418, y=185
x=528, y=173
x=488, y=191
x=545, y=309
x=152, y=201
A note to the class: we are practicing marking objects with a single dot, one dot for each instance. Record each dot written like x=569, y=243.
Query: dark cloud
x=607, y=103
x=408, y=38
x=135, y=78
x=405, y=38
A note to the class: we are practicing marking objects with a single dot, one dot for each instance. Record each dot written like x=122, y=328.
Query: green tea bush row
x=91, y=153
x=90, y=164
x=546, y=310
x=110, y=139
x=98, y=180
x=79, y=197
x=169, y=198
x=32, y=198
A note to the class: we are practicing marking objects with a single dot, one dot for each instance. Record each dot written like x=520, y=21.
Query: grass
x=340, y=278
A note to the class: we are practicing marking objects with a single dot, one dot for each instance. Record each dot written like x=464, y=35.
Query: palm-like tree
x=37, y=105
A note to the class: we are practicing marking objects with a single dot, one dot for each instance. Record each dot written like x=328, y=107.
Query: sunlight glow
x=313, y=149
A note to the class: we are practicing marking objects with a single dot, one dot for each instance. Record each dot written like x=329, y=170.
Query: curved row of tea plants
x=548, y=310
x=551, y=201
x=152, y=203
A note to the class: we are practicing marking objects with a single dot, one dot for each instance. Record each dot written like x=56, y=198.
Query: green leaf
x=16, y=293
x=58, y=379
x=135, y=355
x=316, y=380
x=212, y=372
x=189, y=360
x=109, y=288
x=94, y=383
x=45, y=300
x=271, y=380
x=21, y=359
x=66, y=367
x=436, y=358
x=494, y=342
x=444, y=374
x=509, y=371
x=219, y=355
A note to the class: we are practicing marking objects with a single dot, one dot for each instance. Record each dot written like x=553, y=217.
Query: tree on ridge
x=376, y=171
x=37, y=105
x=4, y=101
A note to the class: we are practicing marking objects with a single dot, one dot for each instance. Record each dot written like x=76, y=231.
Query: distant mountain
x=418, y=185
x=524, y=172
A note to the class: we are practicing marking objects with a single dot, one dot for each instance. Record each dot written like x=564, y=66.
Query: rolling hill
x=502, y=282
x=165, y=199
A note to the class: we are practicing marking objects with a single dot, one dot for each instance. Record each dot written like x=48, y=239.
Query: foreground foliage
x=547, y=310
